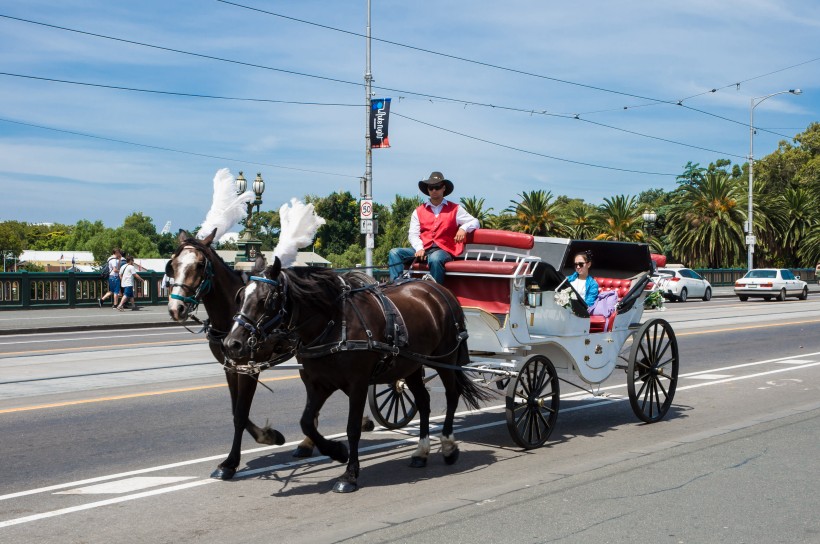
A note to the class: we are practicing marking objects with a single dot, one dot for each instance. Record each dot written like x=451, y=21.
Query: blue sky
x=63, y=155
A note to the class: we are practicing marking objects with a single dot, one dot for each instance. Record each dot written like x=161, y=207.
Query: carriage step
x=621, y=367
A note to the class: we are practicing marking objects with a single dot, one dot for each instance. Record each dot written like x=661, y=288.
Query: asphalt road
x=735, y=460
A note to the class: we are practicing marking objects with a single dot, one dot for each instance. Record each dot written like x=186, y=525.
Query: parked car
x=771, y=282
x=682, y=283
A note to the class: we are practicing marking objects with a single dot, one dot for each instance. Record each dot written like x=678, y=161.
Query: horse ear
x=183, y=235
x=273, y=270
x=258, y=266
x=210, y=238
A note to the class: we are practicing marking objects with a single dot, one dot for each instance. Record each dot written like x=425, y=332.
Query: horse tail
x=472, y=394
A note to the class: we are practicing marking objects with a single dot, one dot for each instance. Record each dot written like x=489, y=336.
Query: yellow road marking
x=131, y=396
x=281, y=378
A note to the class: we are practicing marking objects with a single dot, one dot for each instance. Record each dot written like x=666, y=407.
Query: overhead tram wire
x=453, y=100
x=171, y=150
x=535, y=153
x=654, y=101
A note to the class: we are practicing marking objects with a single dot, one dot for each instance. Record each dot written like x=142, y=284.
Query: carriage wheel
x=532, y=403
x=652, y=374
x=392, y=405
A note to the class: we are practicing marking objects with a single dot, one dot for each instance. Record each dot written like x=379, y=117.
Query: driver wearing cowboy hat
x=437, y=230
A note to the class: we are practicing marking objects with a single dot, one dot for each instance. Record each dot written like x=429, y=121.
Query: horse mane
x=207, y=250
x=313, y=286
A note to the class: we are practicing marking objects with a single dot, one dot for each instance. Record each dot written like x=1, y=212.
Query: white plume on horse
x=227, y=208
x=299, y=225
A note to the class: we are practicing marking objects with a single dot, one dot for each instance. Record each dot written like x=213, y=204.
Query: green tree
x=799, y=221
x=692, y=173
x=393, y=227
x=619, y=218
x=82, y=233
x=536, y=214
x=705, y=222
x=475, y=207
x=12, y=238
x=341, y=211
x=580, y=220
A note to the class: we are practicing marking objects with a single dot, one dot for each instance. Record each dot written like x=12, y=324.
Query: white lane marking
x=92, y=505
x=126, y=486
x=710, y=376
x=86, y=338
x=247, y=473
x=794, y=362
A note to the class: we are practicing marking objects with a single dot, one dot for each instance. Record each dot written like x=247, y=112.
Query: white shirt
x=114, y=266
x=463, y=220
x=128, y=275
x=580, y=285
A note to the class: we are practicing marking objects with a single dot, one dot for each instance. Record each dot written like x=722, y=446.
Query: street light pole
x=750, y=238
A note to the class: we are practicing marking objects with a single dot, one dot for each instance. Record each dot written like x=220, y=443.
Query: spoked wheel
x=532, y=403
x=652, y=374
x=392, y=405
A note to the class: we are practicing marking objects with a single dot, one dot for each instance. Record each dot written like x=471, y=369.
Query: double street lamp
x=248, y=247
x=750, y=237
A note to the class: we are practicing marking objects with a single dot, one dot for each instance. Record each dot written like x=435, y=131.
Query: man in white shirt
x=114, y=263
x=128, y=273
x=437, y=230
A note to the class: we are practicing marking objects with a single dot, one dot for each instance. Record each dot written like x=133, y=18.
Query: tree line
x=699, y=223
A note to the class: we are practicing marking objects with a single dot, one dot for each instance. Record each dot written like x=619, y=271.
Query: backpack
x=105, y=271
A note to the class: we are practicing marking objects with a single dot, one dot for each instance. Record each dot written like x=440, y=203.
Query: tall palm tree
x=580, y=220
x=801, y=219
x=536, y=214
x=475, y=207
x=705, y=222
x=619, y=218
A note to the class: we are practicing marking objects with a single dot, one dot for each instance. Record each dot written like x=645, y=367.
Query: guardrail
x=70, y=289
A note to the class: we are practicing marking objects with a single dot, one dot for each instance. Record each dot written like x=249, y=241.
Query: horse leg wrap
x=419, y=458
x=449, y=448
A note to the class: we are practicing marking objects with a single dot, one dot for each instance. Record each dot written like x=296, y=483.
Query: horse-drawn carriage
x=521, y=336
x=351, y=334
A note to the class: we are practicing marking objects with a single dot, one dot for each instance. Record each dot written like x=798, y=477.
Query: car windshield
x=762, y=274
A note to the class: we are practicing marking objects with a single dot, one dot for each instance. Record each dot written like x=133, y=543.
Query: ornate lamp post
x=248, y=248
x=750, y=237
x=649, y=218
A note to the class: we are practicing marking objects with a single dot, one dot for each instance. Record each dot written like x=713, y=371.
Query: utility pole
x=367, y=182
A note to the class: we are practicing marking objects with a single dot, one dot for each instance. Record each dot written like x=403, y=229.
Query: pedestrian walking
x=114, y=263
x=127, y=275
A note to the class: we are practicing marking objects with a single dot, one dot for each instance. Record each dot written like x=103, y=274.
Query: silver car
x=769, y=283
x=682, y=283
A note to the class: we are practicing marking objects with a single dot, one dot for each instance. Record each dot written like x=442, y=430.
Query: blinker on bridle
x=202, y=289
x=262, y=330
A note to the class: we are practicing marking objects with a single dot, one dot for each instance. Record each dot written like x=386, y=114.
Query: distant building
x=59, y=261
x=303, y=258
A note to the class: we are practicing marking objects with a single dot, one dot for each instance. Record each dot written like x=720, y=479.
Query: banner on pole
x=379, y=114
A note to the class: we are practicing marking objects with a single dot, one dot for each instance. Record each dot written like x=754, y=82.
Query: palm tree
x=619, y=218
x=800, y=220
x=475, y=207
x=580, y=219
x=536, y=214
x=705, y=222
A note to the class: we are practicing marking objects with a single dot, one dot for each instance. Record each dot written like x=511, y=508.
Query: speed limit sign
x=366, y=209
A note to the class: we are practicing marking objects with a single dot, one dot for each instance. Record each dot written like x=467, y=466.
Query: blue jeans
x=435, y=261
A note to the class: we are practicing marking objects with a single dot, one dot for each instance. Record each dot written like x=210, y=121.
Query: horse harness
x=281, y=327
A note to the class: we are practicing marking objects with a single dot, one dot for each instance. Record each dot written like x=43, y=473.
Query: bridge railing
x=70, y=289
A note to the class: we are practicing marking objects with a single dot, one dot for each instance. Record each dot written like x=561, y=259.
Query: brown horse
x=349, y=336
x=201, y=276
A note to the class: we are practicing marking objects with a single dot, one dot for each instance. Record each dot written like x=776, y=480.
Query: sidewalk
x=79, y=319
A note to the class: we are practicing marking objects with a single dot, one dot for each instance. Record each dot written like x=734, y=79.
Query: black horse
x=349, y=335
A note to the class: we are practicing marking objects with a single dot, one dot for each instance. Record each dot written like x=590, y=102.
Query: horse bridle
x=204, y=287
x=266, y=327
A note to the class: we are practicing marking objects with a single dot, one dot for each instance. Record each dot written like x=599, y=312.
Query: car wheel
x=743, y=298
x=708, y=295
x=782, y=295
x=683, y=295
x=804, y=294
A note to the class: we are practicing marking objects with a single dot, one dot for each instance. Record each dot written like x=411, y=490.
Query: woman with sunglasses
x=581, y=281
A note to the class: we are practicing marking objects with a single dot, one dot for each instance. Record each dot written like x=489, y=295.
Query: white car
x=682, y=283
x=771, y=282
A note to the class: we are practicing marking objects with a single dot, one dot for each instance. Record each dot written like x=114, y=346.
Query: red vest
x=440, y=230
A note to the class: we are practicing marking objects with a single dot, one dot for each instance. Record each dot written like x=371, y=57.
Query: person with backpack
x=127, y=275
x=113, y=264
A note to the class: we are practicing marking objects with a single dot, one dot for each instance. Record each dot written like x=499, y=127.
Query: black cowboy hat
x=434, y=179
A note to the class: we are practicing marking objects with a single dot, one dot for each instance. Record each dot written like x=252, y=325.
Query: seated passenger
x=437, y=230
x=581, y=281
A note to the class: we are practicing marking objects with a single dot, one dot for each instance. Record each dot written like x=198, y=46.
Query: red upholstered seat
x=621, y=288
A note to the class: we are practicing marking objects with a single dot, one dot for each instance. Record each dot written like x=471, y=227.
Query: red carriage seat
x=597, y=323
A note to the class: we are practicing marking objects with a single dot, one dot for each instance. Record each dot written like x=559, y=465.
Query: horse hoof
x=452, y=458
x=345, y=487
x=223, y=473
x=302, y=452
x=271, y=437
x=418, y=462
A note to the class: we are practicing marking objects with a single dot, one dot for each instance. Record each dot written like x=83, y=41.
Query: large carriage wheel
x=532, y=403
x=652, y=374
x=392, y=405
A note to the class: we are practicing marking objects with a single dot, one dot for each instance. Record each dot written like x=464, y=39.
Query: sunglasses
x=438, y=187
x=580, y=265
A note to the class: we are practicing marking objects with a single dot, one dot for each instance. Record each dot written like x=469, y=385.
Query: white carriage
x=520, y=337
